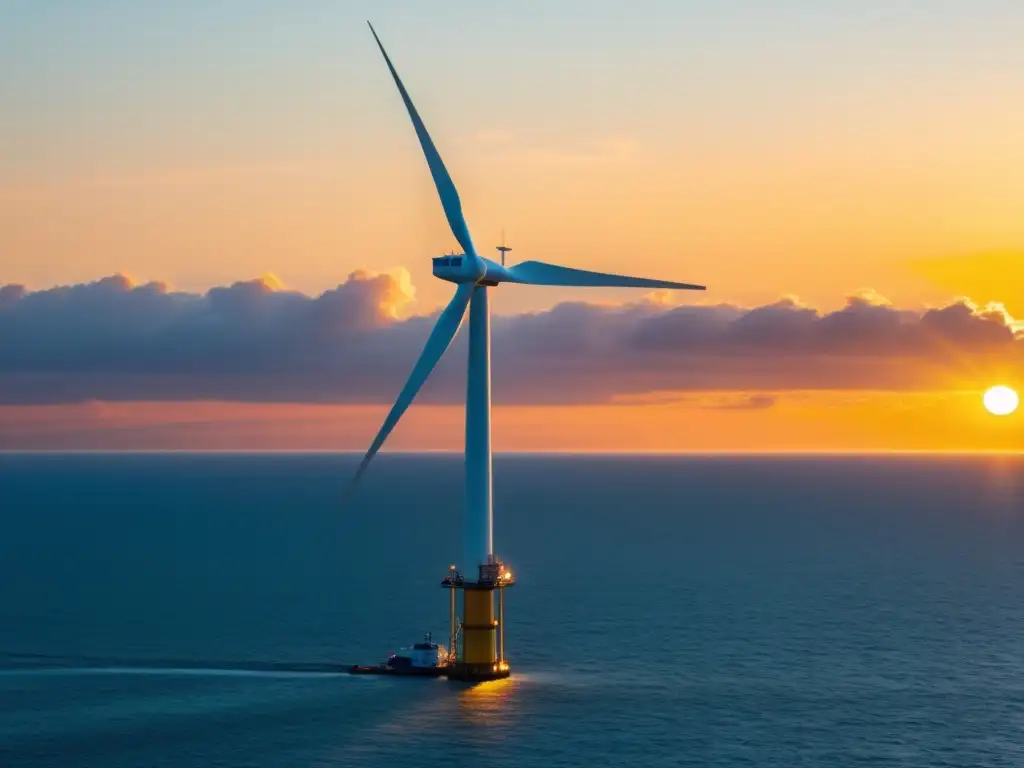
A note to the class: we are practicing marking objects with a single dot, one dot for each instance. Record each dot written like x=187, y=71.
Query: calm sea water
x=155, y=610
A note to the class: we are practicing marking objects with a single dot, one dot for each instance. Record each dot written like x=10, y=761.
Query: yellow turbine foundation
x=481, y=640
x=478, y=627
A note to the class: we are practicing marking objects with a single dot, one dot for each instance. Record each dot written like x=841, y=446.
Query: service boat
x=426, y=659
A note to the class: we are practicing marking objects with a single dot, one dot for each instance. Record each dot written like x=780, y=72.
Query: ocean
x=163, y=610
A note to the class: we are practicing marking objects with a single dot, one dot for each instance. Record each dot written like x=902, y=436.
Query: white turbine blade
x=540, y=273
x=442, y=180
x=444, y=331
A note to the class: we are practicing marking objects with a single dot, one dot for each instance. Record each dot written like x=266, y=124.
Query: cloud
x=610, y=149
x=494, y=136
x=757, y=402
x=257, y=341
x=723, y=401
x=582, y=152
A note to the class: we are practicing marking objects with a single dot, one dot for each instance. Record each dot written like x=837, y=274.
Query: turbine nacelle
x=466, y=268
x=459, y=268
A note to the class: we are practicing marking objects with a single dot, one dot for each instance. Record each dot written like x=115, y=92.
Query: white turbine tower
x=474, y=275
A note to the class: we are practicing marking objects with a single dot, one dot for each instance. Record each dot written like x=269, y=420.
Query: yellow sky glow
x=811, y=421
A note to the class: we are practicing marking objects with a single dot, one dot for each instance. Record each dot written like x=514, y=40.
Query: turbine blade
x=444, y=331
x=442, y=179
x=540, y=273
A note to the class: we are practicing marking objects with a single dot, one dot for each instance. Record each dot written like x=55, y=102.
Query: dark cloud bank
x=112, y=340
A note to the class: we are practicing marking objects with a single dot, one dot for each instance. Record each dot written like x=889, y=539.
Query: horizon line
x=542, y=452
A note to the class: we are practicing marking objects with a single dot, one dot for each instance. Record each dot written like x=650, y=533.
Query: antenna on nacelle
x=502, y=249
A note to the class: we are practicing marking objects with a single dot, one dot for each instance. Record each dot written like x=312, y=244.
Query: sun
x=1001, y=401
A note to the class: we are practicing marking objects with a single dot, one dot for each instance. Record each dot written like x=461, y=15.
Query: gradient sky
x=765, y=149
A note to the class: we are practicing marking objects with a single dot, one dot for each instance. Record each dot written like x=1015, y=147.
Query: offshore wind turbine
x=481, y=655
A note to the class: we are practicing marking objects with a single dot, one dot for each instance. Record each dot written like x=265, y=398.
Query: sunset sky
x=234, y=200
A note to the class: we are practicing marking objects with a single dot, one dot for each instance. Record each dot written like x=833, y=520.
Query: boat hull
x=357, y=669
